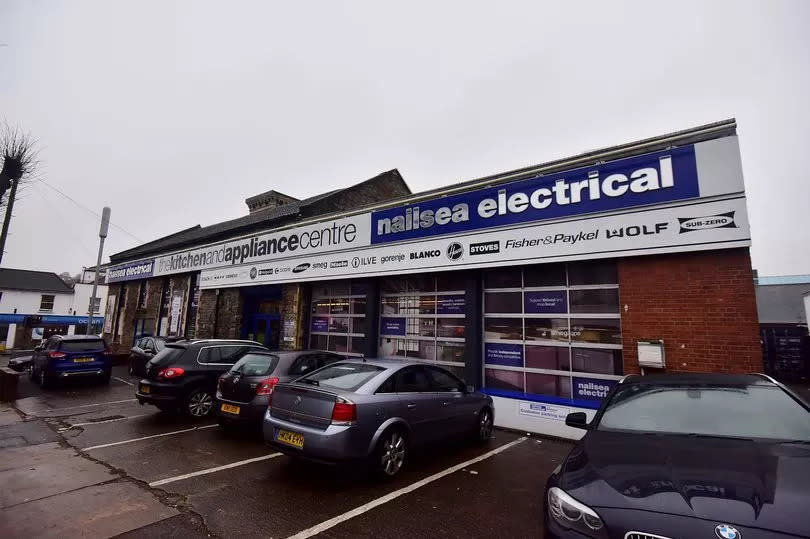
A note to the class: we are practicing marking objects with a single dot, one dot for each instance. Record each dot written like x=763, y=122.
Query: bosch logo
x=455, y=251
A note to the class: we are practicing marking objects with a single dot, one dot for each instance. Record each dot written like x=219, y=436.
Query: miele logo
x=691, y=224
x=301, y=267
x=339, y=264
x=485, y=248
x=425, y=254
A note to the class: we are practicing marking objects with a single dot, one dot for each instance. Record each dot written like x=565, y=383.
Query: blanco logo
x=723, y=220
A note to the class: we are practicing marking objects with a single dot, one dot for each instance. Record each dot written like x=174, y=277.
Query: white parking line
x=212, y=470
x=92, y=447
x=107, y=421
x=84, y=405
x=332, y=522
x=122, y=380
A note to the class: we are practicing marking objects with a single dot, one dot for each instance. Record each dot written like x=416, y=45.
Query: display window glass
x=338, y=317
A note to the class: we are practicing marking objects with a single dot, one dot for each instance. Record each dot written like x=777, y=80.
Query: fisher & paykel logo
x=455, y=251
x=301, y=267
x=485, y=248
x=691, y=224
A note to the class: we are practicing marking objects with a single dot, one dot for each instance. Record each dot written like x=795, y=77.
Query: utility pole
x=7, y=219
x=102, y=233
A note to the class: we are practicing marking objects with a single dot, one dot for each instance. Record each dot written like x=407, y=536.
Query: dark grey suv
x=184, y=374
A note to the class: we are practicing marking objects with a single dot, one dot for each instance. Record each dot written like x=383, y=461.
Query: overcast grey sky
x=173, y=113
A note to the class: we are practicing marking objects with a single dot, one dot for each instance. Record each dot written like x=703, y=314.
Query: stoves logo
x=485, y=248
x=339, y=264
x=253, y=272
x=301, y=267
x=455, y=251
x=691, y=224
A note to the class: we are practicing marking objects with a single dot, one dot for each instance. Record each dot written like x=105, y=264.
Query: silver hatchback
x=374, y=409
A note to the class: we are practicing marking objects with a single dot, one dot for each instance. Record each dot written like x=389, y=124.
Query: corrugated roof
x=39, y=281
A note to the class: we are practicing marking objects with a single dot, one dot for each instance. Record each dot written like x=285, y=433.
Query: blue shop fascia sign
x=653, y=178
x=49, y=319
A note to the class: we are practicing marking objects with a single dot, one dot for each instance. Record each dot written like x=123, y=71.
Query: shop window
x=46, y=302
x=552, y=330
x=338, y=321
x=96, y=305
x=422, y=318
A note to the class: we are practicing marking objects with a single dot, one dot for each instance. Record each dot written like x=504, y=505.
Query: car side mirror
x=38, y=348
x=578, y=420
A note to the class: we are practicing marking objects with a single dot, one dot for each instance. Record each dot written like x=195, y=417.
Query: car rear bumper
x=158, y=393
x=93, y=371
x=335, y=444
x=249, y=412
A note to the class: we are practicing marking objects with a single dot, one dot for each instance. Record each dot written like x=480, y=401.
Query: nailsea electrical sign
x=652, y=178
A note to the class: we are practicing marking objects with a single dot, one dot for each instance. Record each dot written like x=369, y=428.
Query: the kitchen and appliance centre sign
x=329, y=236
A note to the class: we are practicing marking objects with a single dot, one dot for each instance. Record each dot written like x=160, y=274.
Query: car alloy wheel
x=200, y=403
x=393, y=452
x=485, y=425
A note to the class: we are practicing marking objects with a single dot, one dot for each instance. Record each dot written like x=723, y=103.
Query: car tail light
x=344, y=412
x=57, y=355
x=266, y=386
x=219, y=382
x=171, y=372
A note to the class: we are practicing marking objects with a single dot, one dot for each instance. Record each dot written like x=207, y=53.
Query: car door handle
x=446, y=403
x=411, y=406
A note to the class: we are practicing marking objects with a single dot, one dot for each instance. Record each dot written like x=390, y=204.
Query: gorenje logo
x=425, y=254
x=485, y=248
x=301, y=267
x=455, y=251
x=691, y=224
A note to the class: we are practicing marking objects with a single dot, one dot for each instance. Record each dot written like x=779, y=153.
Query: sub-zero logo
x=301, y=267
x=455, y=251
x=253, y=272
x=339, y=264
x=425, y=254
x=485, y=248
x=723, y=220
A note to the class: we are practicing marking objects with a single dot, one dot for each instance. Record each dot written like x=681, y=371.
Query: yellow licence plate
x=83, y=360
x=146, y=389
x=291, y=438
x=230, y=408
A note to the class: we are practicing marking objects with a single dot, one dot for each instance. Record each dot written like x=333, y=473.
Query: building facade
x=37, y=304
x=542, y=286
x=783, y=326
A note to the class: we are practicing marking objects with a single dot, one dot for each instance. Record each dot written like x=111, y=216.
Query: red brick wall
x=702, y=304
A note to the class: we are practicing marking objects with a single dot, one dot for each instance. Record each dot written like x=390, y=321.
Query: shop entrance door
x=265, y=329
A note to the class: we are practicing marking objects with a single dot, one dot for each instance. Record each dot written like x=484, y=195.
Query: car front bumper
x=336, y=443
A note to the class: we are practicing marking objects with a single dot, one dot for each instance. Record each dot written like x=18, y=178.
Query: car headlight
x=571, y=514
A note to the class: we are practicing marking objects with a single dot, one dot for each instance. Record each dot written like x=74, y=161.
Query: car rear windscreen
x=256, y=365
x=346, y=376
x=82, y=346
x=745, y=411
x=168, y=355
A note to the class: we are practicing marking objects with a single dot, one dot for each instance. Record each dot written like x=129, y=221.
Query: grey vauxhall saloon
x=375, y=410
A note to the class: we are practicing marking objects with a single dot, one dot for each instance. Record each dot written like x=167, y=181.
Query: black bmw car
x=687, y=456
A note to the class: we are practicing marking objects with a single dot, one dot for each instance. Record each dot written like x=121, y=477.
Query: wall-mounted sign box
x=651, y=354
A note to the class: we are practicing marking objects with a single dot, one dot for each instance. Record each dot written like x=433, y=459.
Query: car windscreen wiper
x=805, y=442
x=719, y=436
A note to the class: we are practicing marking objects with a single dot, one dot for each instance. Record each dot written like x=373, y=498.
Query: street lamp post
x=102, y=233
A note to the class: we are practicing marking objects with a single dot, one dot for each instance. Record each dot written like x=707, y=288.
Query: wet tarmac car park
x=87, y=459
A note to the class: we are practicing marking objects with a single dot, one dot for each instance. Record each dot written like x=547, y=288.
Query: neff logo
x=301, y=267
x=488, y=247
x=691, y=224
x=455, y=251
x=425, y=254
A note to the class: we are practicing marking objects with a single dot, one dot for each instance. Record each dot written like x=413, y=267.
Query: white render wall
x=508, y=415
x=75, y=304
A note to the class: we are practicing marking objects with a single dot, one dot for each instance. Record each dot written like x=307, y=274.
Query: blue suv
x=67, y=356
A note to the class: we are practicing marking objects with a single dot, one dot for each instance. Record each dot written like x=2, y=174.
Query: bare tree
x=19, y=154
